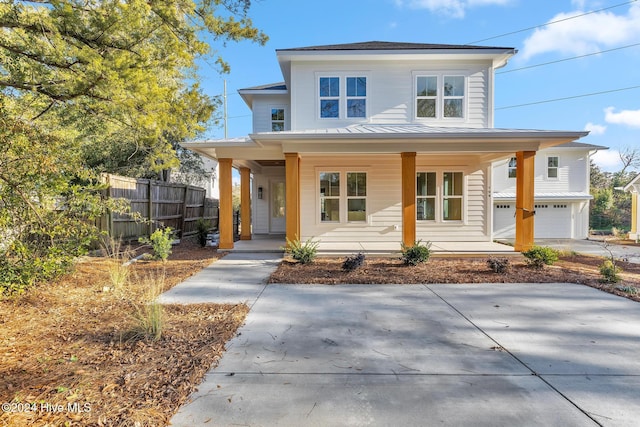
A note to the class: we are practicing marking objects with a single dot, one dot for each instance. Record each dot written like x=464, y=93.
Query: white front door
x=277, y=224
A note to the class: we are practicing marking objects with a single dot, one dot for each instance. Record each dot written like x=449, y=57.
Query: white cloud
x=624, y=117
x=452, y=8
x=586, y=34
x=595, y=129
x=607, y=160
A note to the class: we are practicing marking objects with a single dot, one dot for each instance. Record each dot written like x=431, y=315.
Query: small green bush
x=160, y=240
x=610, y=272
x=416, y=254
x=305, y=252
x=353, y=262
x=498, y=265
x=539, y=256
x=202, y=227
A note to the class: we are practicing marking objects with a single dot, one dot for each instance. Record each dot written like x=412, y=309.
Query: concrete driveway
x=629, y=253
x=426, y=355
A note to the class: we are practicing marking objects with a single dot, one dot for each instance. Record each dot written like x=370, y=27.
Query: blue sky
x=613, y=118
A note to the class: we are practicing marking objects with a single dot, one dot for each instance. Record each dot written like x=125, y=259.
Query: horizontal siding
x=390, y=94
x=572, y=173
x=262, y=111
x=384, y=200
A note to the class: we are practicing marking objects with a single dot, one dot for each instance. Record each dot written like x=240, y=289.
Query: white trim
x=440, y=197
x=546, y=168
x=440, y=98
x=343, y=199
x=342, y=95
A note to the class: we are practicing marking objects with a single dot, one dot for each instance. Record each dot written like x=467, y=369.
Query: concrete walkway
x=416, y=355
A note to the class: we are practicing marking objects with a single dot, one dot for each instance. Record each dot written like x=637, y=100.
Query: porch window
x=356, y=196
x=356, y=97
x=512, y=167
x=552, y=167
x=330, y=196
x=452, y=196
x=426, y=196
x=277, y=119
x=329, y=97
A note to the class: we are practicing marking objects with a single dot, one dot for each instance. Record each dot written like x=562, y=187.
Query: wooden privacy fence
x=156, y=204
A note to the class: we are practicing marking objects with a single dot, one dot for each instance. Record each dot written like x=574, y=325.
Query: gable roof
x=382, y=45
x=632, y=184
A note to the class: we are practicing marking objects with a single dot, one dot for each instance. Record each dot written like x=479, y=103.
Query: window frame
x=440, y=196
x=511, y=167
x=556, y=168
x=284, y=118
x=343, y=98
x=440, y=96
x=322, y=197
x=343, y=198
x=433, y=197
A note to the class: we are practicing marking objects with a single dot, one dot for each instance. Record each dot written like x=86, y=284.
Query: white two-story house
x=367, y=145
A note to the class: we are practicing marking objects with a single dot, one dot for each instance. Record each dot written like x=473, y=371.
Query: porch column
x=525, y=163
x=292, y=195
x=245, y=204
x=408, y=198
x=225, y=213
x=634, y=213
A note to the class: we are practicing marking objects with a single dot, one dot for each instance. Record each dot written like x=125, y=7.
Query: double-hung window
x=340, y=193
x=356, y=97
x=426, y=196
x=342, y=97
x=440, y=96
x=330, y=196
x=277, y=119
x=439, y=196
x=511, y=167
x=552, y=167
x=329, y=97
x=452, y=196
x=356, y=196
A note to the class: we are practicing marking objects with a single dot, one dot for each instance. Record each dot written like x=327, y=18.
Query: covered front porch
x=390, y=158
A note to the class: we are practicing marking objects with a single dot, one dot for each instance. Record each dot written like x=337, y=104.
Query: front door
x=277, y=223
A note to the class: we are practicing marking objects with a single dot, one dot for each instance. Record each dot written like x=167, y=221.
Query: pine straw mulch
x=581, y=269
x=66, y=347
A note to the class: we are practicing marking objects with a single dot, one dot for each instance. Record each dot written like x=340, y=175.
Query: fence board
x=158, y=204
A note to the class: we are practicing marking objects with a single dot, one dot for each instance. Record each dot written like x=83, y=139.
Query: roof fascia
x=632, y=184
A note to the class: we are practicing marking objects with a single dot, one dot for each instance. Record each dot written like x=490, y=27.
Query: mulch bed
x=570, y=269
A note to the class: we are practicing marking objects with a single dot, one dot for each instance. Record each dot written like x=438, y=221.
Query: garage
x=552, y=221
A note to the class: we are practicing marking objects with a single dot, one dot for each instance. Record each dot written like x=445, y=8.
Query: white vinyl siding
x=384, y=200
x=390, y=91
x=262, y=109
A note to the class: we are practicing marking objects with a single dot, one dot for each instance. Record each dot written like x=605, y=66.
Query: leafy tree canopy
x=118, y=77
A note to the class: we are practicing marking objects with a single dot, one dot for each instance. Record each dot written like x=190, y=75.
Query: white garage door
x=553, y=220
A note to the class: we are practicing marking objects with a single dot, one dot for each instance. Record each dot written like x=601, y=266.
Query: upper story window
x=356, y=97
x=512, y=167
x=277, y=119
x=329, y=97
x=552, y=167
x=336, y=102
x=439, y=96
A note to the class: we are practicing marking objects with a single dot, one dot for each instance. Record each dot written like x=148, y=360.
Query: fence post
x=150, y=201
x=184, y=210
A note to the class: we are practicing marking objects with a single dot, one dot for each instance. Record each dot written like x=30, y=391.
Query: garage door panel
x=552, y=221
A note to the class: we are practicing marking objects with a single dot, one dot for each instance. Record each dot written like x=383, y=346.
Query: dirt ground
x=70, y=355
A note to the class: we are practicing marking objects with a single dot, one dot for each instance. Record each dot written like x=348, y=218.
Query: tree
x=90, y=86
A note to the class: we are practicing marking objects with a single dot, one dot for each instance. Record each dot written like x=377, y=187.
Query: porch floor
x=274, y=243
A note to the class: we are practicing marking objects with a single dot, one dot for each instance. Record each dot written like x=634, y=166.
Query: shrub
x=118, y=261
x=353, y=262
x=498, y=265
x=610, y=272
x=202, y=227
x=148, y=317
x=416, y=254
x=539, y=256
x=305, y=252
x=160, y=240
